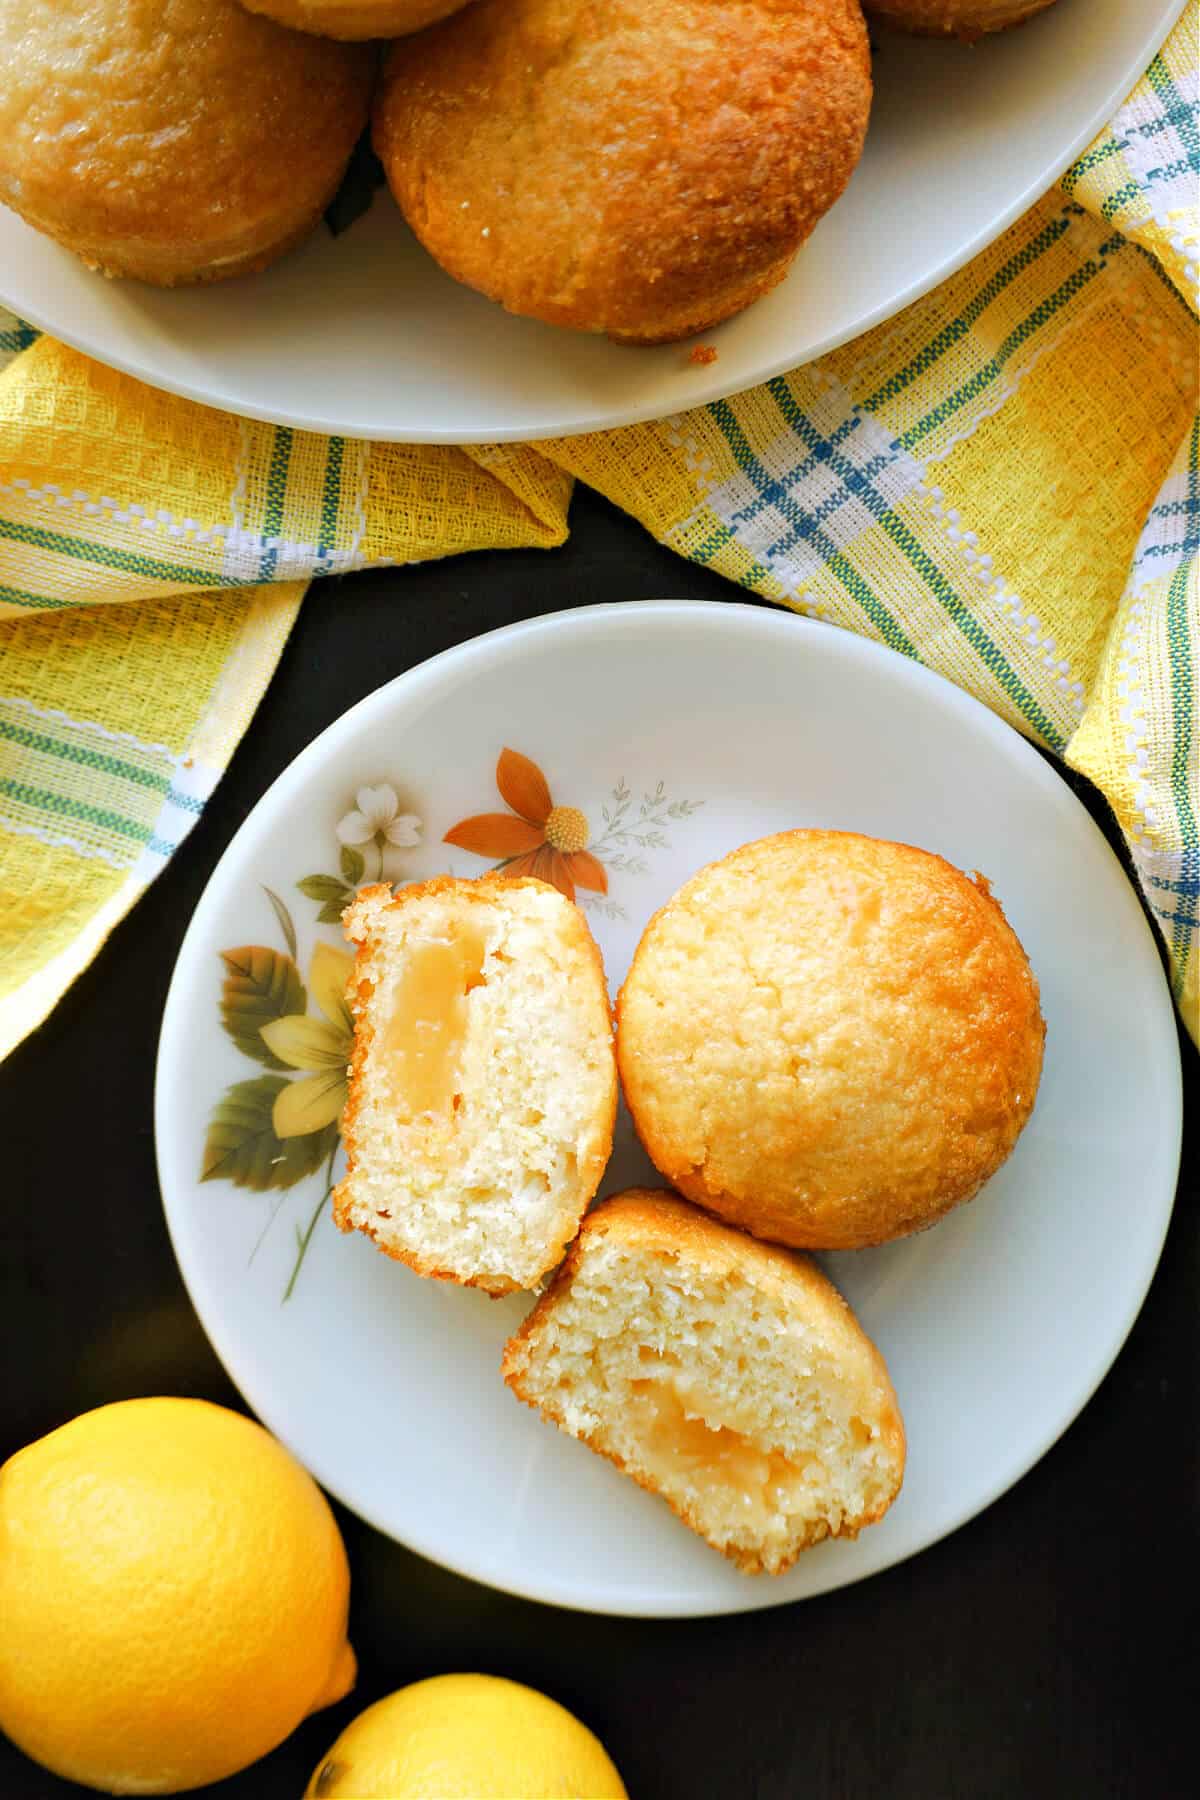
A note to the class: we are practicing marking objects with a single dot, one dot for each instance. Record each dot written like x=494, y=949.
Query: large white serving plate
x=364, y=335
x=693, y=728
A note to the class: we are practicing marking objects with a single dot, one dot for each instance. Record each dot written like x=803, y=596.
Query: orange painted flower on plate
x=536, y=837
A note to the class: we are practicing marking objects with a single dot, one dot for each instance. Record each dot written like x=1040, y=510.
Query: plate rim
x=705, y=393
x=772, y=622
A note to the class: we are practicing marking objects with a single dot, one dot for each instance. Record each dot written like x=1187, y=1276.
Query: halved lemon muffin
x=728, y=1376
x=483, y=1083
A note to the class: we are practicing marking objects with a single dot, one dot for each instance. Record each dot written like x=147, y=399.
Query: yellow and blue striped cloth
x=1003, y=482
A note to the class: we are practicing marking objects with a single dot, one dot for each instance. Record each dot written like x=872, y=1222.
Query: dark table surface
x=1049, y=1647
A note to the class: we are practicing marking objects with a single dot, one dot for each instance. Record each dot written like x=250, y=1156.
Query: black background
x=1048, y=1648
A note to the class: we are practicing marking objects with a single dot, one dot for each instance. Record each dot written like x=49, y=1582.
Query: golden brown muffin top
x=622, y=167
x=160, y=121
x=830, y=1039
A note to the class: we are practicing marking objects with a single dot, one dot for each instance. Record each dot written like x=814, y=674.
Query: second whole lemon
x=173, y=1591
x=466, y=1737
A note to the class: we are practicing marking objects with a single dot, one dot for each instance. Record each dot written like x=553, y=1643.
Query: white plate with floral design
x=678, y=730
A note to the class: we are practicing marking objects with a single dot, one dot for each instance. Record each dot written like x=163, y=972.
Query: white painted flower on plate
x=376, y=818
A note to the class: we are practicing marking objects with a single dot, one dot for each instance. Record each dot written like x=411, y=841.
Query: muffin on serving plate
x=955, y=18
x=644, y=168
x=356, y=18
x=726, y=1375
x=173, y=140
x=829, y=1039
x=483, y=1085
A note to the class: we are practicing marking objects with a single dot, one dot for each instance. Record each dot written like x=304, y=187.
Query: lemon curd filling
x=424, y=1039
x=680, y=1433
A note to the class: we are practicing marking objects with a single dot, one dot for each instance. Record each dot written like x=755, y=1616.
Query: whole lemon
x=173, y=1590
x=466, y=1737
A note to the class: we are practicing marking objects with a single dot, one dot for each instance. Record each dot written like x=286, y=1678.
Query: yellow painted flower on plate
x=319, y=1046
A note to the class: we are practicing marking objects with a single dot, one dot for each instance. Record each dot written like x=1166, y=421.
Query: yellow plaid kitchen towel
x=1003, y=482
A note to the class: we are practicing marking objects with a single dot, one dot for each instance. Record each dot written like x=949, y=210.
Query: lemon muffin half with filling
x=728, y=1376
x=483, y=1083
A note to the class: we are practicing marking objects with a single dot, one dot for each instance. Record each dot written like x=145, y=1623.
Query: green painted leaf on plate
x=328, y=889
x=354, y=864
x=241, y=1145
x=260, y=985
x=285, y=919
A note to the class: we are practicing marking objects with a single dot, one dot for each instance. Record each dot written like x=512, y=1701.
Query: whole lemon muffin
x=829, y=1039
x=644, y=168
x=956, y=18
x=356, y=18
x=172, y=140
